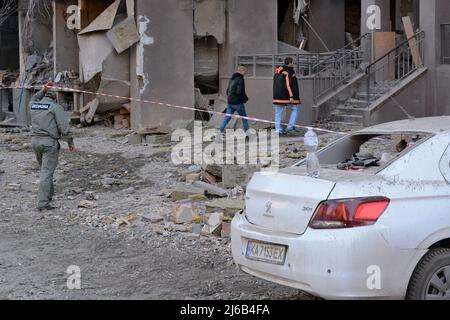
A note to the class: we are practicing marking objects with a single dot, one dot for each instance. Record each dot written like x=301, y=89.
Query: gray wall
x=412, y=99
x=168, y=63
x=65, y=47
x=251, y=29
x=328, y=19
x=432, y=14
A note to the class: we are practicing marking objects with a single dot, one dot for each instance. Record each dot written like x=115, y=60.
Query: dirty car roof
x=427, y=125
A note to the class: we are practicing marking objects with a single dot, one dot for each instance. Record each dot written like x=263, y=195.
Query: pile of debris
x=8, y=78
x=210, y=197
x=39, y=68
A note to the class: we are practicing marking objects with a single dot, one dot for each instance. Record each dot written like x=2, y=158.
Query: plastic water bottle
x=312, y=161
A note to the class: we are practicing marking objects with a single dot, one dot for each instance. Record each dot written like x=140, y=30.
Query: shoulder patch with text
x=40, y=106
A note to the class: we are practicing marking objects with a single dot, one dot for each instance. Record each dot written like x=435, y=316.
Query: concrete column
x=164, y=63
x=252, y=28
x=65, y=43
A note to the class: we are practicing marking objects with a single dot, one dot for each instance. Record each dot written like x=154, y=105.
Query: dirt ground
x=148, y=259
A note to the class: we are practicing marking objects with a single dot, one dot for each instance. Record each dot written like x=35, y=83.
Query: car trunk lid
x=285, y=201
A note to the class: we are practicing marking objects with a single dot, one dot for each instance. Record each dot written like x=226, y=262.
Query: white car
x=376, y=233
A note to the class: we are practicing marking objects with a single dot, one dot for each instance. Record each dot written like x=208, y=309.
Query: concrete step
x=356, y=103
x=349, y=110
x=348, y=118
x=363, y=96
x=346, y=126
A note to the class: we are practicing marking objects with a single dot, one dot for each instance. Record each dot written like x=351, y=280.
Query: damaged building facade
x=183, y=52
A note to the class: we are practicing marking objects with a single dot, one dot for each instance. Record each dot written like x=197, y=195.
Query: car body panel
x=334, y=263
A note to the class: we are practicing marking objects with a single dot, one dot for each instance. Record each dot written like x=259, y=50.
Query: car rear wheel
x=431, y=279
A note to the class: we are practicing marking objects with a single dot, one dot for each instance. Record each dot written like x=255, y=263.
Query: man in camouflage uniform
x=49, y=124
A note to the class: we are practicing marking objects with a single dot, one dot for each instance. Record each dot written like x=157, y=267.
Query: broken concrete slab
x=104, y=21
x=184, y=192
x=94, y=49
x=211, y=189
x=124, y=35
x=237, y=175
x=213, y=169
x=157, y=139
x=227, y=206
x=210, y=19
x=192, y=177
x=198, y=198
x=213, y=219
x=134, y=139
x=183, y=213
x=93, y=105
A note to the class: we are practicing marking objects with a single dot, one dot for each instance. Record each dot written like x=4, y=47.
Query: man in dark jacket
x=237, y=98
x=286, y=94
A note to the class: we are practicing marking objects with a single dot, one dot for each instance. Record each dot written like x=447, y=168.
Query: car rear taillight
x=348, y=213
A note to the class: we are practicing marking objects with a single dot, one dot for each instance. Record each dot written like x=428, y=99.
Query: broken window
x=368, y=152
x=290, y=27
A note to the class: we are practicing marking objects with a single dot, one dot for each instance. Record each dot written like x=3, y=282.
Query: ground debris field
x=112, y=222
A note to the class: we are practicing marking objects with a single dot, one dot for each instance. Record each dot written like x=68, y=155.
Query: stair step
x=348, y=110
x=348, y=118
x=346, y=125
x=363, y=96
x=356, y=103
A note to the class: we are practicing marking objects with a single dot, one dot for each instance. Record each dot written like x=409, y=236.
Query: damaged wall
x=327, y=17
x=65, y=40
x=164, y=61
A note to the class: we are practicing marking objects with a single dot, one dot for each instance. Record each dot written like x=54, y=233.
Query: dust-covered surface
x=148, y=258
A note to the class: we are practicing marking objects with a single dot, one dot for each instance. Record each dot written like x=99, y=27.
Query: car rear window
x=368, y=152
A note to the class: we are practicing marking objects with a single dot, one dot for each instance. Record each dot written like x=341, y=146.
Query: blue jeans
x=231, y=109
x=279, y=109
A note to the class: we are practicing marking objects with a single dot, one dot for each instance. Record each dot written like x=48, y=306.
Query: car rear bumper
x=333, y=264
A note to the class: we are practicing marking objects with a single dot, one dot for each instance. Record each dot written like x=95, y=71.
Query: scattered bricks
x=13, y=187
x=237, y=175
x=134, y=138
x=228, y=206
x=213, y=219
x=211, y=189
x=192, y=177
x=226, y=229
x=118, y=121
x=184, y=192
x=183, y=213
x=208, y=178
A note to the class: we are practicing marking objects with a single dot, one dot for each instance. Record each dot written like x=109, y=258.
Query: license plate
x=266, y=252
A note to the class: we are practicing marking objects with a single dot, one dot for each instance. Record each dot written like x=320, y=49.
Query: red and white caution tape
x=64, y=89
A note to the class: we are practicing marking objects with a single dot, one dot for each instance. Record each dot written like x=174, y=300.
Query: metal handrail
x=394, y=66
x=366, y=35
x=417, y=34
x=341, y=68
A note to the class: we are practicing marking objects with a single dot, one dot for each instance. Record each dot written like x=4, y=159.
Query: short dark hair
x=288, y=61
